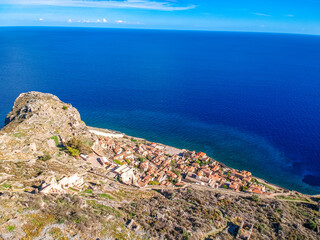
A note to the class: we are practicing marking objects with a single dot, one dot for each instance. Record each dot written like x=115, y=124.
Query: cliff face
x=44, y=113
x=35, y=118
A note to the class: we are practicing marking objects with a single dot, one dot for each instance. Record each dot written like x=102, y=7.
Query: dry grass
x=35, y=224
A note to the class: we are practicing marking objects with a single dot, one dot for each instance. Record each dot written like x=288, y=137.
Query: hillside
x=48, y=192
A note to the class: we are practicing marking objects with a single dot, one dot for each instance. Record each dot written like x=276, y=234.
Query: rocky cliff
x=34, y=120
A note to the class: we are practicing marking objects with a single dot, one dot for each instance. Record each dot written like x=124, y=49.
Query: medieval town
x=140, y=163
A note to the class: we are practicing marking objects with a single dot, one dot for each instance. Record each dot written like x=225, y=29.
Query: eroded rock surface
x=36, y=118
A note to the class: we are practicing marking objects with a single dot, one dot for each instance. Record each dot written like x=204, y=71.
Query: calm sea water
x=250, y=100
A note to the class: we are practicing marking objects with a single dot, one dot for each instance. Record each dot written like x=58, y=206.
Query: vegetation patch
x=6, y=185
x=269, y=187
x=10, y=228
x=88, y=191
x=56, y=232
x=117, y=230
x=73, y=151
x=154, y=183
x=46, y=156
x=103, y=195
x=35, y=224
x=118, y=162
x=292, y=198
x=56, y=140
x=311, y=225
x=76, y=146
x=19, y=134
x=72, y=189
x=255, y=198
x=103, y=208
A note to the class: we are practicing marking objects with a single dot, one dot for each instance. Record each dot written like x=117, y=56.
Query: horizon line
x=160, y=29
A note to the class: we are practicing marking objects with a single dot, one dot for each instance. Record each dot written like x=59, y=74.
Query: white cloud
x=40, y=19
x=120, y=21
x=69, y=20
x=92, y=21
x=140, y=4
x=262, y=14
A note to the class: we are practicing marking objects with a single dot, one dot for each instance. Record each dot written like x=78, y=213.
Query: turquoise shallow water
x=250, y=100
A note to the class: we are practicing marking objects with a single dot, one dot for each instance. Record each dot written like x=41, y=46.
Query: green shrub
x=133, y=140
x=177, y=172
x=255, y=198
x=10, y=228
x=311, y=225
x=76, y=146
x=118, y=162
x=141, y=159
x=186, y=236
x=173, y=163
x=64, y=107
x=153, y=183
x=225, y=186
x=244, y=188
x=61, y=221
x=253, y=180
x=45, y=157
x=88, y=191
x=87, y=142
x=261, y=227
x=6, y=185
x=73, y=152
x=56, y=140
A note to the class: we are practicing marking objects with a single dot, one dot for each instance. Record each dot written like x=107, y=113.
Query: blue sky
x=285, y=16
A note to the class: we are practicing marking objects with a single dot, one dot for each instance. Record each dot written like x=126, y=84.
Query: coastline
x=74, y=181
x=173, y=150
x=110, y=132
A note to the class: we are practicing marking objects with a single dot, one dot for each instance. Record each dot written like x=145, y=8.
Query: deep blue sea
x=250, y=100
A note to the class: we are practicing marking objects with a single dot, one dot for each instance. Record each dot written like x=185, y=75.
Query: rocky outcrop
x=35, y=118
x=46, y=111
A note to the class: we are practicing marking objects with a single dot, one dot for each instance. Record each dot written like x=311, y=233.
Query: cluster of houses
x=140, y=163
